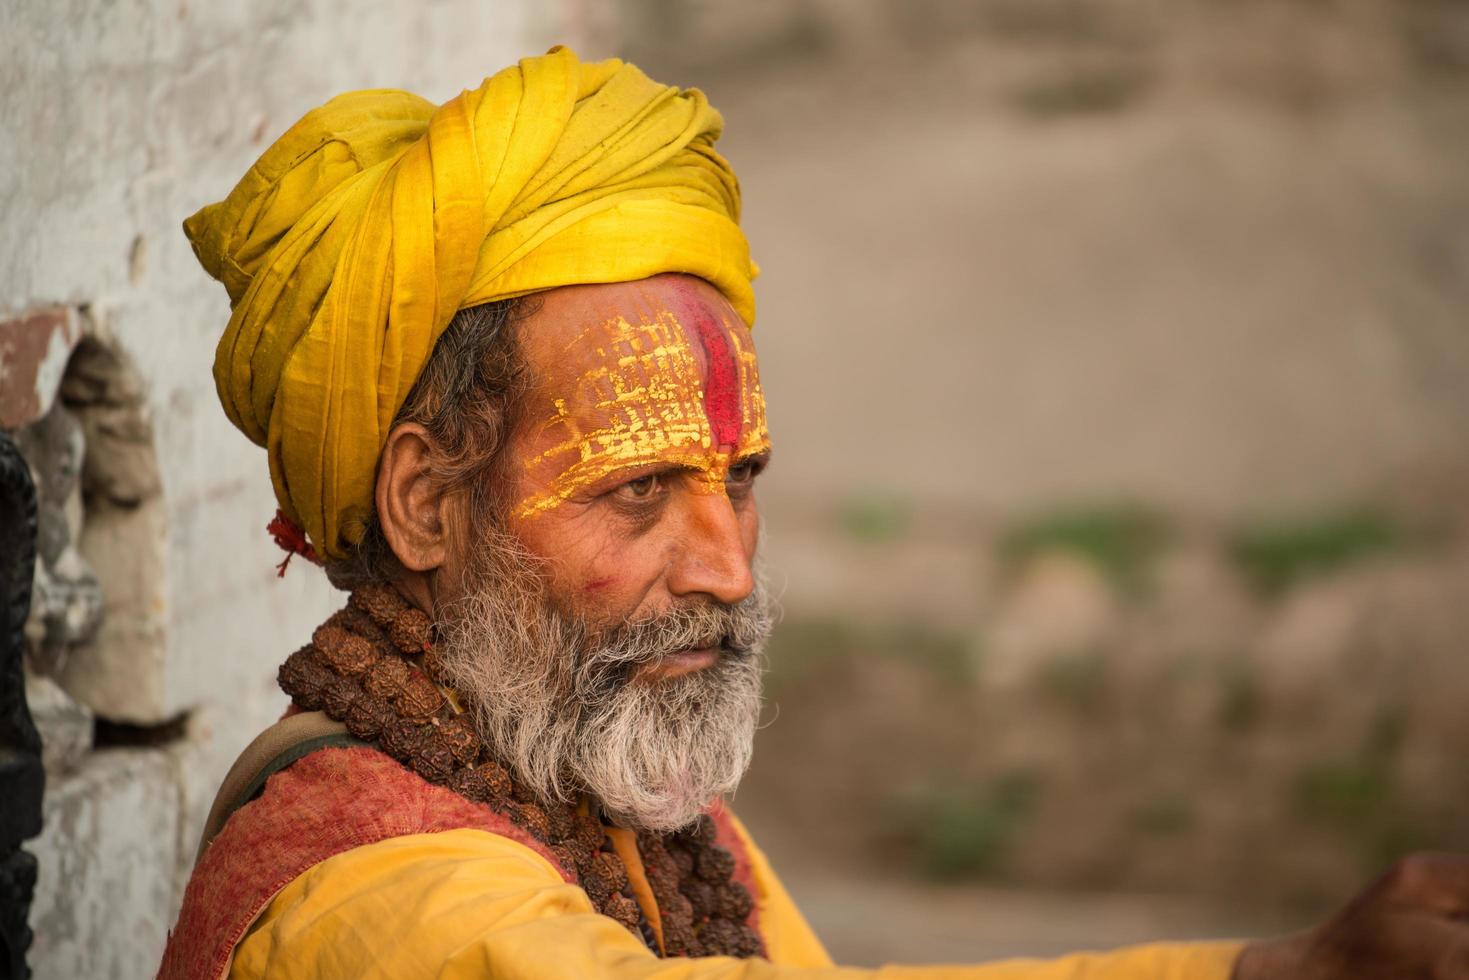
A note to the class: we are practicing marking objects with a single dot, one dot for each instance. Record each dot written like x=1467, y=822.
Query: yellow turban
x=352, y=241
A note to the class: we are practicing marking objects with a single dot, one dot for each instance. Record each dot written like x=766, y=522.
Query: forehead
x=620, y=346
x=660, y=370
x=567, y=327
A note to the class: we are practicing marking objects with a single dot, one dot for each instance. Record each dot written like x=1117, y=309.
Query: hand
x=1412, y=922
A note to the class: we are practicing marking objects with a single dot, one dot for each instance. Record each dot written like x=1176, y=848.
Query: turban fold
x=350, y=244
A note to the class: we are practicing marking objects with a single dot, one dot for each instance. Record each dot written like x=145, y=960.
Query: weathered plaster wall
x=121, y=119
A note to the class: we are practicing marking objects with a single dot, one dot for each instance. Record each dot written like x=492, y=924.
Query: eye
x=741, y=472
x=642, y=488
x=741, y=475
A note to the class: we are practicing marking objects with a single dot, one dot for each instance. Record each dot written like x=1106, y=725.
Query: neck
x=418, y=589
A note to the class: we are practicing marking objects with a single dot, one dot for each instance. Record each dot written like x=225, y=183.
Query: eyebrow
x=656, y=469
x=762, y=457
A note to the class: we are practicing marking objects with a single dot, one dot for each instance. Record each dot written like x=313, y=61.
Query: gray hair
x=468, y=397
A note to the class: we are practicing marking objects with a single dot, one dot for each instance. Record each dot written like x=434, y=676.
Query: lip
x=679, y=664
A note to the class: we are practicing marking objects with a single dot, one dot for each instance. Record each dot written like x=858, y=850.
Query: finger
x=1436, y=883
x=1448, y=951
x=1393, y=945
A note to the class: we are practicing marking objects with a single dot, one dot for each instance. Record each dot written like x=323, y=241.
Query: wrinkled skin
x=629, y=532
x=1413, y=922
x=656, y=528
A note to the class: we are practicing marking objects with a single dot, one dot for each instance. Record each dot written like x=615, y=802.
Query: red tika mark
x=292, y=540
x=722, y=388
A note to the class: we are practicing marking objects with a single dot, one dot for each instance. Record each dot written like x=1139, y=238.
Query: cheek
x=609, y=591
x=586, y=562
x=619, y=574
x=595, y=585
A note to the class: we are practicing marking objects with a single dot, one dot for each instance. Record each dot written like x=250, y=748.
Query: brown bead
x=400, y=739
x=662, y=872
x=701, y=896
x=702, y=831
x=522, y=793
x=461, y=738
x=720, y=936
x=465, y=783
x=589, y=831
x=368, y=716
x=611, y=868
x=733, y=901
x=495, y=777
x=433, y=759
x=576, y=850
x=714, y=864
x=304, y=677
x=339, y=695
x=533, y=819
x=411, y=631
x=381, y=602
x=346, y=653
x=562, y=822
x=679, y=938
x=386, y=678
x=677, y=907
x=682, y=858
x=748, y=943
x=420, y=698
x=433, y=663
x=624, y=910
x=596, y=887
x=354, y=620
x=564, y=856
x=479, y=784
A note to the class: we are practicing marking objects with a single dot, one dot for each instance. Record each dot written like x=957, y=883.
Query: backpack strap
x=272, y=750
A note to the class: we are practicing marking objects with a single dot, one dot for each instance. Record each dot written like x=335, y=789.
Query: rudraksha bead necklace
x=362, y=668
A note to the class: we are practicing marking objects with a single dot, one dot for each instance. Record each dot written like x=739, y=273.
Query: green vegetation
x=1078, y=681
x=1121, y=541
x=871, y=516
x=1097, y=91
x=1240, y=700
x=959, y=832
x=1353, y=795
x=801, y=645
x=1276, y=556
x=947, y=655
x=1164, y=816
x=1346, y=792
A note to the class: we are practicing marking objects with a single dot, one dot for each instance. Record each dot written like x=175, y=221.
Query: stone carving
x=111, y=663
x=67, y=603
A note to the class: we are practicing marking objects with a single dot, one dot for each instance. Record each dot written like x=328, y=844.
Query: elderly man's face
x=638, y=454
x=608, y=630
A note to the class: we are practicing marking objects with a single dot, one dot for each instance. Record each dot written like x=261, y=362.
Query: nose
x=711, y=558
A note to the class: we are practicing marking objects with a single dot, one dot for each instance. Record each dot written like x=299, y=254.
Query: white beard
x=559, y=705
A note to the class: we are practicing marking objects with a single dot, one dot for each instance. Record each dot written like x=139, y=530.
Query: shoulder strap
x=273, y=750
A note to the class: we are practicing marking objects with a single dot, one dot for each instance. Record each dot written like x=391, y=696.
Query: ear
x=412, y=506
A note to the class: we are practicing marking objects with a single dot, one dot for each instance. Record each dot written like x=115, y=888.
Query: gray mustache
x=737, y=630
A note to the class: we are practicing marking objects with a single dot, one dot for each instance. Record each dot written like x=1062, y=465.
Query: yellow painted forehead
x=673, y=382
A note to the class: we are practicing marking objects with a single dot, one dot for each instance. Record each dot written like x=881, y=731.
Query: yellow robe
x=470, y=905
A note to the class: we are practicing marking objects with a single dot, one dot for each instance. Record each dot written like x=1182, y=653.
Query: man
x=499, y=353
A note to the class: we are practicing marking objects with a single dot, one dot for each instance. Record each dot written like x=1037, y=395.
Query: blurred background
x=1117, y=355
